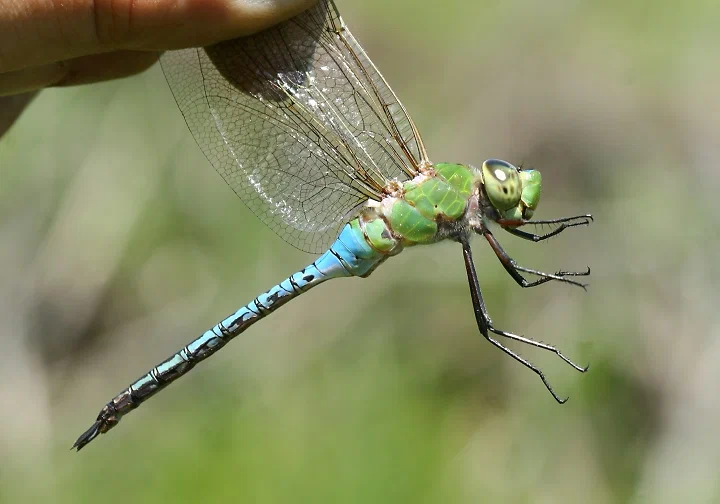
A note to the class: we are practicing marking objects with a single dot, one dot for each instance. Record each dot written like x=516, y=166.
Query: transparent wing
x=298, y=121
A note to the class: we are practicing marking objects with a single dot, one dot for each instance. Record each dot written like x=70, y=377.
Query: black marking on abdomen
x=186, y=355
x=295, y=286
x=224, y=331
x=134, y=401
x=273, y=298
x=342, y=262
x=155, y=375
x=261, y=307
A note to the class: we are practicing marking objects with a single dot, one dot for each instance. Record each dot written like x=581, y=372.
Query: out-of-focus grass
x=335, y=433
x=119, y=244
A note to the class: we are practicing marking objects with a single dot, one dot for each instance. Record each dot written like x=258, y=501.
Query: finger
x=37, y=32
x=100, y=67
x=82, y=70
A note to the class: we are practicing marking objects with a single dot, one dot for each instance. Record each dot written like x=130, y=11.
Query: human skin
x=47, y=43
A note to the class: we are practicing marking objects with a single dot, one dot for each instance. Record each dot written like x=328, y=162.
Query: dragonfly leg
x=514, y=269
x=486, y=327
x=564, y=223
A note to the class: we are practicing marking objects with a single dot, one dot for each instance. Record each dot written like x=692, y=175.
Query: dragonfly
x=303, y=127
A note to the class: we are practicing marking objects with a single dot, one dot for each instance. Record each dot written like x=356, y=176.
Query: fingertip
x=250, y=16
x=192, y=23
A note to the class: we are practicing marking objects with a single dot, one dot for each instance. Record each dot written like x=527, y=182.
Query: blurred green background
x=119, y=244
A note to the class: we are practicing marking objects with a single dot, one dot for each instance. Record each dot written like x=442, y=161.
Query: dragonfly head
x=513, y=192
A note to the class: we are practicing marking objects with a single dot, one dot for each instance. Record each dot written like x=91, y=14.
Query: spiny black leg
x=539, y=344
x=514, y=268
x=485, y=324
x=582, y=220
x=535, y=237
x=565, y=222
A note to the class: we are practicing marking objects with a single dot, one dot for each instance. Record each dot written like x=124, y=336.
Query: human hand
x=49, y=43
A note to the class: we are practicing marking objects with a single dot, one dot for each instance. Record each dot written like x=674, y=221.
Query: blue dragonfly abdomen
x=350, y=255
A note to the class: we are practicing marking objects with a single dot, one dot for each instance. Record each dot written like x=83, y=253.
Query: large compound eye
x=531, y=188
x=502, y=184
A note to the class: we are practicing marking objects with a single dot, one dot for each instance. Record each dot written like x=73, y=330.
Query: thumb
x=37, y=32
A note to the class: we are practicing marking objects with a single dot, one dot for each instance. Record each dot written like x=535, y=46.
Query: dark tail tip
x=88, y=436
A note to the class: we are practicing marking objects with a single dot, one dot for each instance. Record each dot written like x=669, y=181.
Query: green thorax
x=413, y=215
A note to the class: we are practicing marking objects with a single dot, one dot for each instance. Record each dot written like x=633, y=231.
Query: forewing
x=298, y=122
